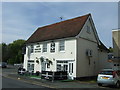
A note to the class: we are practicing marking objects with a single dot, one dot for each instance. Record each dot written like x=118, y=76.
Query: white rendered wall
x=68, y=54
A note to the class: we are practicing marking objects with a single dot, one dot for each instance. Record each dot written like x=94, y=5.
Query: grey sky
x=21, y=19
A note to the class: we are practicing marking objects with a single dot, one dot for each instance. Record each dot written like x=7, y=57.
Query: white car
x=109, y=77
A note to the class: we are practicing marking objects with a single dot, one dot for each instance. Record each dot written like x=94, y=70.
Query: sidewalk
x=56, y=83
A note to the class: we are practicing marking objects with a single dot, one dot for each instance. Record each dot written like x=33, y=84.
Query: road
x=8, y=82
x=12, y=83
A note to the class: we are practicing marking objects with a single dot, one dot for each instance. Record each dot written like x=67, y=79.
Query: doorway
x=70, y=70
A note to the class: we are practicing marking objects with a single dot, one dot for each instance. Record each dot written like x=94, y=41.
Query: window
x=61, y=45
x=106, y=72
x=52, y=47
x=31, y=61
x=45, y=47
x=37, y=49
x=65, y=67
x=88, y=29
x=62, y=65
x=32, y=48
x=58, y=67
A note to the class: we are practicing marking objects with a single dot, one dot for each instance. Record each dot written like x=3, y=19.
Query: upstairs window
x=61, y=45
x=32, y=48
x=45, y=47
x=52, y=47
x=37, y=49
x=88, y=29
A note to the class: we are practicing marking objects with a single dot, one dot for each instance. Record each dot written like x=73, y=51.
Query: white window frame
x=62, y=45
x=32, y=49
x=45, y=47
x=52, y=49
x=37, y=49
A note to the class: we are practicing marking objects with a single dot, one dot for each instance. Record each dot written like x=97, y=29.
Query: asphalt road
x=12, y=83
x=16, y=83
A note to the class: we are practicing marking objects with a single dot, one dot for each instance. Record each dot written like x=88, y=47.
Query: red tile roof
x=64, y=29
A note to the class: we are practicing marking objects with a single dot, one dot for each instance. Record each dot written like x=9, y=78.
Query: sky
x=21, y=19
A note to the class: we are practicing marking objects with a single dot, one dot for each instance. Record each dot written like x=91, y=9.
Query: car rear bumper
x=109, y=82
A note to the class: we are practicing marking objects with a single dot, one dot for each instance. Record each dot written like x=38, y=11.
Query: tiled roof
x=64, y=29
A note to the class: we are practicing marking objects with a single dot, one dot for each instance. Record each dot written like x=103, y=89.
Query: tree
x=16, y=50
x=111, y=49
x=12, y=53
x=4, y=52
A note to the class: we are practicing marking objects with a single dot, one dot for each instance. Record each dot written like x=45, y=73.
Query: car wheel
x=99, y=84
x=118, y=84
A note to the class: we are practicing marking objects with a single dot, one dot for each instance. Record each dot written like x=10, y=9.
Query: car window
x=106, y=72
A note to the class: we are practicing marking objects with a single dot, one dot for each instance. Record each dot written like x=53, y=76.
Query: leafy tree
x=12, y=53
x=111, y=49
x=4, y=52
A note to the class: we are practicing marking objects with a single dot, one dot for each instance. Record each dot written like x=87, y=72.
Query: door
x=43, y=66
x=30, y=67
x=70, y=70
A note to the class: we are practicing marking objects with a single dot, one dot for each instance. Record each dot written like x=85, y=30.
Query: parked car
x=4, y=65
x=109, y=77
x=21, y=71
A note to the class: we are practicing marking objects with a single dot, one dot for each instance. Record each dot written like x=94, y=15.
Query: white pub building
x=72, y=45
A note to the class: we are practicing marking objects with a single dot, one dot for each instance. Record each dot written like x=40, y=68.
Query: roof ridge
x=64, y=21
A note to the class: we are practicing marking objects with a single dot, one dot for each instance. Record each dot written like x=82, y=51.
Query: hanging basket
x=37, y=61
x=49, y=61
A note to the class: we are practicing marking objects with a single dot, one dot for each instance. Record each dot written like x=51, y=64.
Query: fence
x=58, y=75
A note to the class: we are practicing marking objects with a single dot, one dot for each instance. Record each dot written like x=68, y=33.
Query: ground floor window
x=62, y=65
x=59, y=67
x=30, y=67
x=65, y=68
